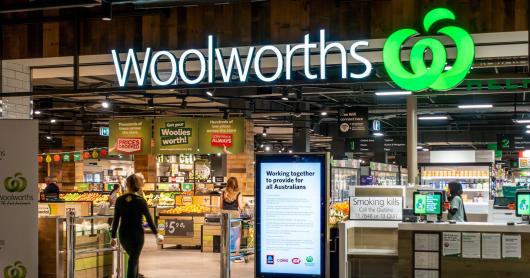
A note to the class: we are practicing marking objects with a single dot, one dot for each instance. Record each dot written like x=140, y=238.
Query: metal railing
x=72, y=252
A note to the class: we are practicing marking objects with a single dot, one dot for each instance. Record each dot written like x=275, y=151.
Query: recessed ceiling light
x=378, y=134
x=522, y=121
x=105, y=104
x=267, y=148
x=432, y=118
x=475, y=106
x=528, y=131
x=36, y=112
x=323, y=113
x=285, y=95
x=209, y=93
x=393, y=93
x=49, y=137
x=53, y=121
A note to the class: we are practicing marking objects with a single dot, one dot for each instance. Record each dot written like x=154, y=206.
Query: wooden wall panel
x=245, y=23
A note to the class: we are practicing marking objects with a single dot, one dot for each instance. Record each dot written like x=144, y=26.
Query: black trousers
x=132, y=242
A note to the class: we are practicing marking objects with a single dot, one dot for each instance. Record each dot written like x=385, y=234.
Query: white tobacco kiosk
x=386, y=248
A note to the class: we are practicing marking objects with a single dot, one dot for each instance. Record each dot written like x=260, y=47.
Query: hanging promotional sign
x=220, y=135
x=18, y=198
x=238, y=68
x=292, y=195
x=130, y=136
x=353, y=122
x=176, y=135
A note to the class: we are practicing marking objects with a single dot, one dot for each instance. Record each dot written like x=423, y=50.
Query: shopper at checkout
x=456, y=212
x=128, y=215
x=232, y=201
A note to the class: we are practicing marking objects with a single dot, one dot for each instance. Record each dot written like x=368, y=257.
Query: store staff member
x=457, y=211
x=51, y=192
x=128, y=214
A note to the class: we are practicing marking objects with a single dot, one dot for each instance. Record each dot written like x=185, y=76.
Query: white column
x=412, y=139
x=15, y=78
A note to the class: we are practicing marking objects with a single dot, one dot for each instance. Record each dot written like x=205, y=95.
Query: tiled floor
x=174, y=263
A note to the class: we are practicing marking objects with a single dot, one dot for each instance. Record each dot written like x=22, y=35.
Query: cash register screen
x=428, y=203
x=522, y=200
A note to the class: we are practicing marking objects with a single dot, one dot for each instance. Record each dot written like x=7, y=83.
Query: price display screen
x=291, y=215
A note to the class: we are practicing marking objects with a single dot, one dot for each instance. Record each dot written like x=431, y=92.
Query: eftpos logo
x=15, y=184
x=17, y=270
x=438, y=75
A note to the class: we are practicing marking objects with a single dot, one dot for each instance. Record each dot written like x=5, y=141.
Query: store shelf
x=450, y=177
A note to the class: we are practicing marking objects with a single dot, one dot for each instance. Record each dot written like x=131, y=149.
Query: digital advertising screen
x=427, y=203
x=523, y=203
x=291, y=215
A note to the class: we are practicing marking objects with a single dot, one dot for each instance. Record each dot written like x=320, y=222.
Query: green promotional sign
x=218, y=135
x=176, y=135
x=434, y=75
x=130, y=137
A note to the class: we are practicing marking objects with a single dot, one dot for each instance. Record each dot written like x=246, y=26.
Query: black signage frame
x=324, y=160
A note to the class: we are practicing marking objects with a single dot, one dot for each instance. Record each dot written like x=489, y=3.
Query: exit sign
x=104, y=131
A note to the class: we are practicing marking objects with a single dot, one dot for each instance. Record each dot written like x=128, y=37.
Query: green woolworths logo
x=17, y=270
x=434, y=76
x=15, y=184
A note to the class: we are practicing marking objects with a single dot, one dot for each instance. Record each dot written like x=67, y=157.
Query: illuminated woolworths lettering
x=237, y=67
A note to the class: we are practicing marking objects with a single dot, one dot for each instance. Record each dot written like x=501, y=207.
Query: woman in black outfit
x=128, y=214
x=233, y=203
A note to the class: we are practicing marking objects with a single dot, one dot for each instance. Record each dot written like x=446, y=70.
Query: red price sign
x=129, y=145
x=221, y=140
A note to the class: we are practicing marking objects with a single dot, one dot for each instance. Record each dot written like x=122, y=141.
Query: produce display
x=161, y=199
x=96, y=198
x=167, y=198
x=187, y=209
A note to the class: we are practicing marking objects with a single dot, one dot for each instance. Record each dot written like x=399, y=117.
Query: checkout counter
x=409, y=249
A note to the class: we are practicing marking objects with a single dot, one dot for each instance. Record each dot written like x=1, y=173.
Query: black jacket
x=128, y=214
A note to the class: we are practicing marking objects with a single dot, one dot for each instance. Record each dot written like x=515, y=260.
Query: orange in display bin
x=511, y=206
x=447, y=205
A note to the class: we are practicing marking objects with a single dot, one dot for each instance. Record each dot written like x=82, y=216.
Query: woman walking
x=233, y=202
x=128, y=215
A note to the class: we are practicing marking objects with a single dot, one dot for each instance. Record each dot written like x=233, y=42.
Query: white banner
x=376, y=208
x=18, y=198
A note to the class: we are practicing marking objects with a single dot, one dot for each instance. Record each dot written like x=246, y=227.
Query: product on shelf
x=187, y=209
x=167, y=198
x=96, y=198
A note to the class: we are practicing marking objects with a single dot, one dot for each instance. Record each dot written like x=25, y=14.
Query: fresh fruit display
x=167, y=198
x=150, y=198
x=339, y=212
x=187, y=209
x=96, y=198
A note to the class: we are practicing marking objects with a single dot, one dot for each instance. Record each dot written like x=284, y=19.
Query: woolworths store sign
x=420, y=74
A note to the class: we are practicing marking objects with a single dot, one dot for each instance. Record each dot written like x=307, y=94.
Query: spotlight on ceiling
x=151, y=103
x=264, y=133
x=285, y=95
x=106, y=10
x=209, y=93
